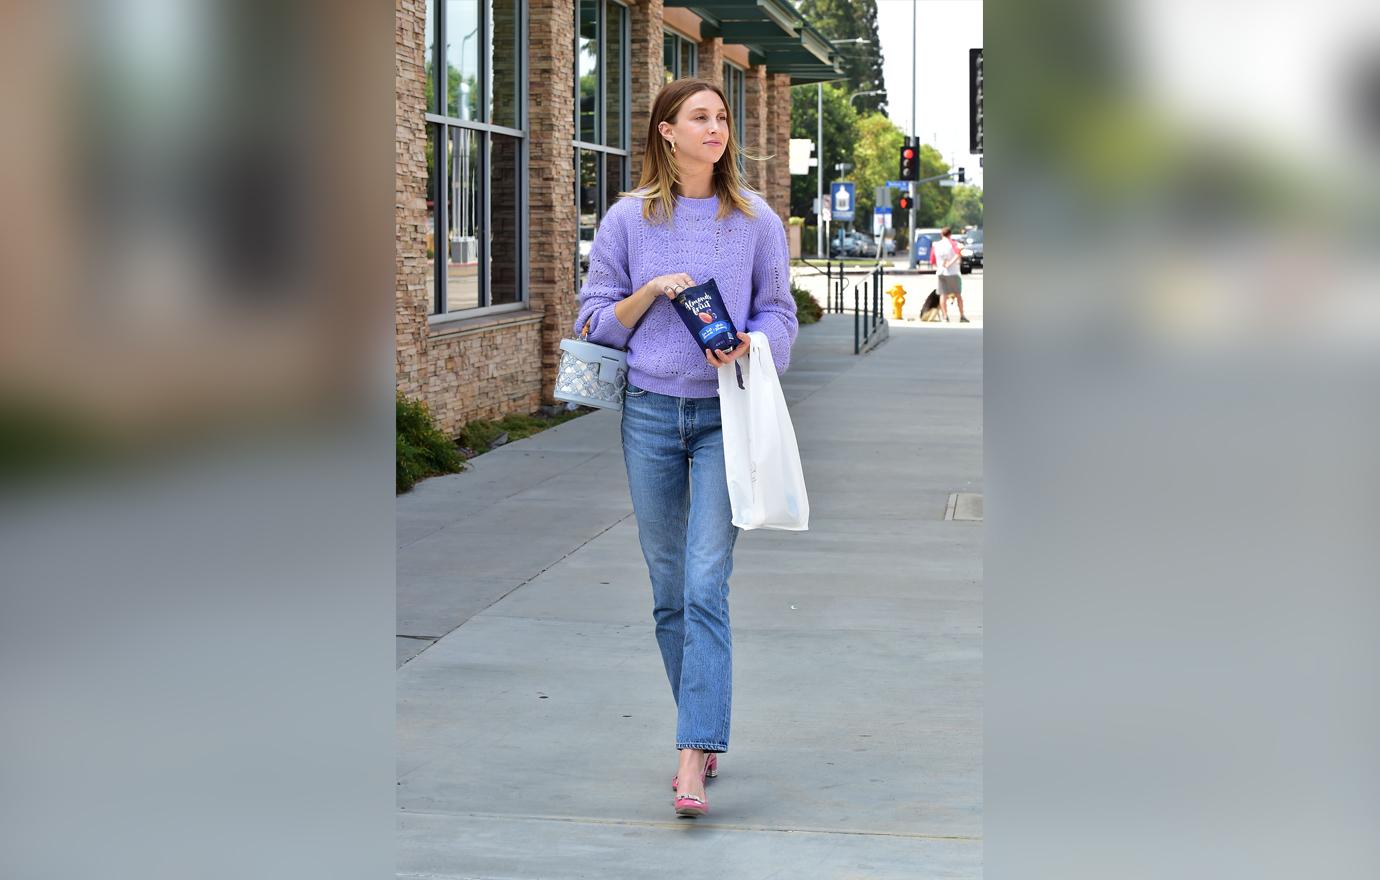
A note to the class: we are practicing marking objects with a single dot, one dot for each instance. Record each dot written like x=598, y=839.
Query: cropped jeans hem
x=719, y=748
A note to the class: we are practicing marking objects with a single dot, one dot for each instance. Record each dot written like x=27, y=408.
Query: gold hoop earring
x=673, y=148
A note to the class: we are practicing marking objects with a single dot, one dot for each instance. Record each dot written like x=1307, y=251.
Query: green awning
x=774, y=33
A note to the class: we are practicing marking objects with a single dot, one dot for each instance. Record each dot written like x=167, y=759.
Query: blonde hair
x=660, y=173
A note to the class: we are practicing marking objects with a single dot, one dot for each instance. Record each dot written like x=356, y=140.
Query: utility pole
x=914, y=187
x=819, y=171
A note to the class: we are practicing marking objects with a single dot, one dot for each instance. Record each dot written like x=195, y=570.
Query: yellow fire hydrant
x=898, y=299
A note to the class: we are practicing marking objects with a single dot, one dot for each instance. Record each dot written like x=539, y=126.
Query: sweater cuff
x=606, y=329
x=779, y=341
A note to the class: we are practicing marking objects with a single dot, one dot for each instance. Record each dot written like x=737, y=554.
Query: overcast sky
x=944, y=32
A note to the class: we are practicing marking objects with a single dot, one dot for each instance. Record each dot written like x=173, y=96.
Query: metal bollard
x=867, y=302
x=857, y=344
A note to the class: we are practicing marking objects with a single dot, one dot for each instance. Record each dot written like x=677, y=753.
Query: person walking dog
x=947, y=260
x=691, y=218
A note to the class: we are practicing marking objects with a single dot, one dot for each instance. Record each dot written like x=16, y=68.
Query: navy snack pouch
x=702, y=309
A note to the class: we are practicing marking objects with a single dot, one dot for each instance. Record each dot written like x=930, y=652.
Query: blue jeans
x=674, y=451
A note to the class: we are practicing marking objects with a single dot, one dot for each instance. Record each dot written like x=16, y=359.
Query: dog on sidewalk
x=930, y=310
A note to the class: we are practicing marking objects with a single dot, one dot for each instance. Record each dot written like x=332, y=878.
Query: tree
x=874, y=161
x=934, y=200
x=862, y=63
x=839, y=139
x=966, y=209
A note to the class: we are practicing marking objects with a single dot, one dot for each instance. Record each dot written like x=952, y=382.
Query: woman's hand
x=717, y=358
x=669, y=286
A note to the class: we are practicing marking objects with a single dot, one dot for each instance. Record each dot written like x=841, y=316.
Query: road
x=917, y=288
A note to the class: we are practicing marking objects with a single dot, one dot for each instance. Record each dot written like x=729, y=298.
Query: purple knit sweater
x=746, y=257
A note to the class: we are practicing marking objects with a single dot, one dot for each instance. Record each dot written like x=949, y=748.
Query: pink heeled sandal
x=711, y=769
x=687, y=805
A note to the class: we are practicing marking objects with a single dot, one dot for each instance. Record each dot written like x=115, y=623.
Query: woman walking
x=692, y=218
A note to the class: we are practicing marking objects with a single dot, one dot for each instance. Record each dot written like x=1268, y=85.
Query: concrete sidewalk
x=535, y=725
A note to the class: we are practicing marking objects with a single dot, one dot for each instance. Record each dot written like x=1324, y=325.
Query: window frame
x=443, y=123
x=682, y=41
x=737, y=96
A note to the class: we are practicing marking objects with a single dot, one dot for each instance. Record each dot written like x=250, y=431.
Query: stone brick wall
x=553, y=222
x=412, y=296
x=648, y=74
x=485, y=372
x=756, y=122
x=779, y=170
x=711, y=60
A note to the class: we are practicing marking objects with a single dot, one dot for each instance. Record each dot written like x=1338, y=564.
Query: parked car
x=970, y=252
x=866, y=247
x=853, y=244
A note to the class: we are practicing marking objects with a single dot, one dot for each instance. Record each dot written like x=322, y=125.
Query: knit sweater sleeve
x=773, y=306
x=607, y=283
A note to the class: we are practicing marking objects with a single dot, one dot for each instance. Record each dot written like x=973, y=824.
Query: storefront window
x=462, y=233
x=463, y=43
x=679, y=55
x=475, y=154
x=601, y=116
x=734, y=81
x=505, y=73
x=587, y=71
x=506, y=219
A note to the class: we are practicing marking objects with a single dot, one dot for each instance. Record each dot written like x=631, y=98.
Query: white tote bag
x=765, y=484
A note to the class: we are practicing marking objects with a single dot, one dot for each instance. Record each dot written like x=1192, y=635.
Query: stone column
x=779, y=186
x=756, y=122
x=711, y=60
x=552, y=226
x=648, y=75
x=413, y=292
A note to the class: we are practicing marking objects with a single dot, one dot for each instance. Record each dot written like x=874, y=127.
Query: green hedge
x=422, y=451
x=807, y=311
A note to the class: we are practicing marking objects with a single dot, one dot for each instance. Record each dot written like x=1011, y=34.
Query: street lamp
x=861, y=94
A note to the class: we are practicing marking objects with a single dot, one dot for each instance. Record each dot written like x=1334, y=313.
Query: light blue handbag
x=591, y=375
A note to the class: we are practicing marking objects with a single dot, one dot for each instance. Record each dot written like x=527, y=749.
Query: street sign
x=975, y=84
x=826, y=215
x=842, y=196
x=801, y=161
x=898, y=184
x=881, y=220
x=948, y=181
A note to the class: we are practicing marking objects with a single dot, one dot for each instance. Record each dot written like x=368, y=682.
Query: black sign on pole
x=975, y=101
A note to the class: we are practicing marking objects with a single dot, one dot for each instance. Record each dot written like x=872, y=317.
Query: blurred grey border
x=1183, y=317
x=195, y=371
x=196, y=502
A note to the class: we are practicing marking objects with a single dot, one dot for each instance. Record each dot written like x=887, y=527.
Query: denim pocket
x=633, y=391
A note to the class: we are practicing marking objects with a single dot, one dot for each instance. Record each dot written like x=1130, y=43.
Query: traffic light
x=960, y=174
x=907, y=203
x=975, y=101
x=910, y=163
